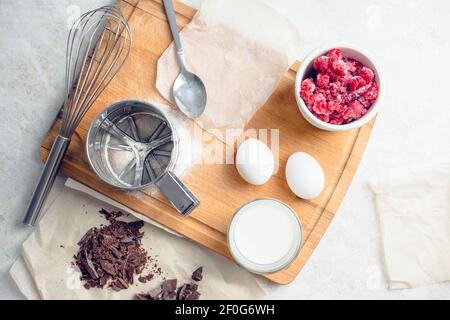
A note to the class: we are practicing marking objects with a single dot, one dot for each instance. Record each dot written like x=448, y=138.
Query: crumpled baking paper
x=240, y=50
x=414, y=213
x=45, y=270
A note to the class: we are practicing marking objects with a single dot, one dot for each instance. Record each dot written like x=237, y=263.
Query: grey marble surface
x=410, y=40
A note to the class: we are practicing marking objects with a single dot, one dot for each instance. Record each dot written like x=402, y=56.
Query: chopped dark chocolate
x=197, y=275
x=168, y=290
x=112, y=254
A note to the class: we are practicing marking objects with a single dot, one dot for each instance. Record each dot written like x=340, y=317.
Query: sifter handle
x=177, y=193
x=46, y=180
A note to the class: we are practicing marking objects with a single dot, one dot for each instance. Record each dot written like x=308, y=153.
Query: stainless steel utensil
x=132, y=145
x=189, y=91
x=98, y=45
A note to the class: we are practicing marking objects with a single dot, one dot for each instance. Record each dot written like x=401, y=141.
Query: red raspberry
x=348, y=114
x=321, y=64
x=323, y=80
x=358, y=109
x=356, y=83
x=339, y=67
x=367, y=74
x=320, y=104
x=334, y=55
x=340, y=107
x=372, y=93
x=337, y=88
x=307, y=90
x=334, y=104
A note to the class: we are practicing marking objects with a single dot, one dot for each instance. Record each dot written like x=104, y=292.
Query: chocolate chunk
x=155, y=293
x=145, y=279
x=140, y=296
x=194, y=295
x=123, y=283
x=90, y=268
x=171, y=295
x=197, y=275
x=181, y=293
x=169, y=285
x=108, y=267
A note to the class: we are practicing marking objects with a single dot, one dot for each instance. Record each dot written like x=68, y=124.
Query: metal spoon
x=189, y=91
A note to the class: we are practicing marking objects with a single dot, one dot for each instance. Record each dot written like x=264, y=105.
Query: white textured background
x=410, y=40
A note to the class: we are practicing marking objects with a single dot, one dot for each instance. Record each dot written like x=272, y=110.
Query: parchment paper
x=241, y=50
x=414, y=212
x=48, y=255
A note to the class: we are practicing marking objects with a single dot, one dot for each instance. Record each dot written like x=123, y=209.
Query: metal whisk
x=98, y=45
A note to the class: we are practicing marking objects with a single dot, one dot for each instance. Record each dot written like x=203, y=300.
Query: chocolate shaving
x=112, y=254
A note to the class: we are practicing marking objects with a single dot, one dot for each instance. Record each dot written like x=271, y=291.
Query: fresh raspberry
x=339, y=67
x=334, y=104
x=348, y=114
x=325, y=92
x=337, y=88
x=358, y=109
x=340, y=107
x=367, y=74
x=320, y=104
x=356, y=83
x=323, y=80
x=308, y=85
x=334, y=55
x=372, y=93
x=307, y=90
x=321, y=64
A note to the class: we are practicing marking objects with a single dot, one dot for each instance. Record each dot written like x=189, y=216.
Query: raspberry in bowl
x=338, y=88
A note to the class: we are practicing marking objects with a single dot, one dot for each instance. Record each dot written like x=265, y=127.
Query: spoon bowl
x=189, y=93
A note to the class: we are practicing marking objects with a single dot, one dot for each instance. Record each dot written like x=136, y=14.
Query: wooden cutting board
x=219, y=187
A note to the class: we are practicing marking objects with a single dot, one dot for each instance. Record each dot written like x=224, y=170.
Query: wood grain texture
x=219, y=187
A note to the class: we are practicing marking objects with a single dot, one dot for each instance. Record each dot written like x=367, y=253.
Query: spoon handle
x=170, y=13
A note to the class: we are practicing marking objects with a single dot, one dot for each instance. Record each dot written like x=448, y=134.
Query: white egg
x=255, y=162
x=304, y=175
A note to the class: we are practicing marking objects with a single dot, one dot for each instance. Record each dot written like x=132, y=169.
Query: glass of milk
x=265, y=236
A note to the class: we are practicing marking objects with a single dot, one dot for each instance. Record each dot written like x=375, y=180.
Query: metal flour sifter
x=133, y=144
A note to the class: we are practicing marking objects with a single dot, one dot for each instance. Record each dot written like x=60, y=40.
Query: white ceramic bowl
x=350, y=52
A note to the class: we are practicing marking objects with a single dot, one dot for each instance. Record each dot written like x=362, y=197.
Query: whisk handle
x=46, y=180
